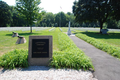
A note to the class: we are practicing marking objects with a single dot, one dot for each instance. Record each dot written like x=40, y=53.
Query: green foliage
x=69, y=56
x=51, y=19
x=65, y=54
x=18, y=18
x=116, y=9
x=92, y=11
x=39, y=18
x=29, y=8
x=113, y=24
x=7, y=43
x=114, y=51
x=60, y=18
x=47, y=20
x=16, y=58
x=5, y=14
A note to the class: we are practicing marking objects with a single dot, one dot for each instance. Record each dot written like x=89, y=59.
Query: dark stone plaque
x=40, y=48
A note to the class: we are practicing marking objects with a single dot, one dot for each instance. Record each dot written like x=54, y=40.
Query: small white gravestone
x=69, y=31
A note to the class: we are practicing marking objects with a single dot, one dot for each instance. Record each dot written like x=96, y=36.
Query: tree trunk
x=30, y=29
x=101, y=26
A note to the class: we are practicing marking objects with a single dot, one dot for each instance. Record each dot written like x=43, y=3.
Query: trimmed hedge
x=70, y=56
x=114, y=51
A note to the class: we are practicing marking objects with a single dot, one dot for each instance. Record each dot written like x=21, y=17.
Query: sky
x=53, y=6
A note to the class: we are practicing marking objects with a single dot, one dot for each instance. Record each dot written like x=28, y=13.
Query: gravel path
x=45, y=73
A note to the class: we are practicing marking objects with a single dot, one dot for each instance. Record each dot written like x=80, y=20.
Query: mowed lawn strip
x=102, y=42
x=65, y=55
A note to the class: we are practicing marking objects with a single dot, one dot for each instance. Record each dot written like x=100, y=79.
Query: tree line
x=15, y=18
x=90, y=13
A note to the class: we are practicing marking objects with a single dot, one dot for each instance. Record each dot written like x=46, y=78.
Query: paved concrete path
x=106, y=66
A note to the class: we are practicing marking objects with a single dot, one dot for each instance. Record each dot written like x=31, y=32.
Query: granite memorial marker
x=69, y=31
x=40, y=50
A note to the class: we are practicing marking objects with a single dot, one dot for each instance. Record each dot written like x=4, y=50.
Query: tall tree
x=70, y=17
x=30, y=9
x=92, y=11
x=60, y=19
x=18, y=18
x=49, y=19
x=39, y=18
x=5, y=14
x=116, y=9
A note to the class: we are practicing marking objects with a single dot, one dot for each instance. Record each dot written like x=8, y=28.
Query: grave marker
x=69, y=31
x=21, y=40
x=15, y=34
x=104, y=31
x=40, y=50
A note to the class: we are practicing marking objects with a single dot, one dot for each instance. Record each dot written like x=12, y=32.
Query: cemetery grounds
x=109, y=43
x=65, y=52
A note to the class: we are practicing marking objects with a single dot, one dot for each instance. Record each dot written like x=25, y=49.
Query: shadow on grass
x=24, y=34
x=101, y=36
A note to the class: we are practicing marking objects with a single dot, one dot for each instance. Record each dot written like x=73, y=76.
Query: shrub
x=114, y=51
x=69, y=56
x=16, y=58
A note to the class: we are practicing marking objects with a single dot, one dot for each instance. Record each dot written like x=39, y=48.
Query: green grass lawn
x=64, y=29
x=65, y=52
x=110, y=38
x=8, y=43
x=109, y=43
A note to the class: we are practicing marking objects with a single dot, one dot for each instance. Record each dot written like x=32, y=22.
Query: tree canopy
x=30, y=9
x=88, y=13
x=18, y=18
x=60, y=19
x=116, y=9
x=5, y=14
x=93, y=11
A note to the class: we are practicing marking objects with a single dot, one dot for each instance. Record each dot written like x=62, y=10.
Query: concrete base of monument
x=39, y=61
x=69, y=32
x=40, y=50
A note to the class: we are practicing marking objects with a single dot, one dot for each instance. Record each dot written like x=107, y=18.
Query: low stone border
x=51, y=29
x=60, y=29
